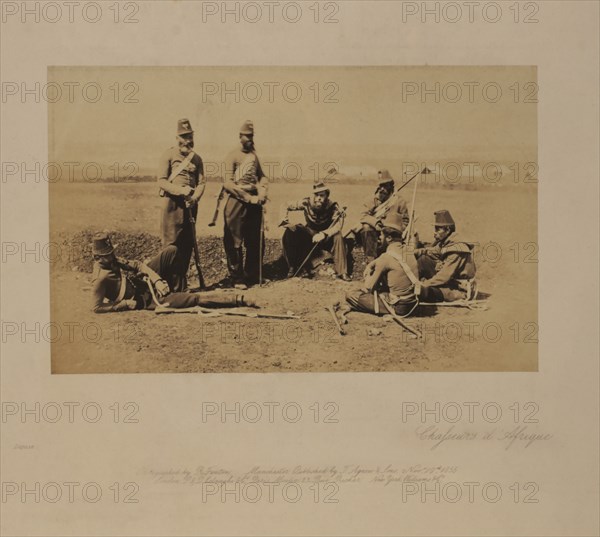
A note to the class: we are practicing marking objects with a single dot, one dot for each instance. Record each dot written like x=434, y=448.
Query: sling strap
x=178, y=169
x=411, y=275
x=183, y=164
x=122, y=288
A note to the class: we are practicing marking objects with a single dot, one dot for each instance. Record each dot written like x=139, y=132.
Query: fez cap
x=320, y=187
x=101, y=244
x=247, y=127
x=184, y=127
x=444, y=218
x=385, y=178
x=394, y=222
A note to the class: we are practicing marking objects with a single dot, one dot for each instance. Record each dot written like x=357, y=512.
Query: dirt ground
x=501, y=338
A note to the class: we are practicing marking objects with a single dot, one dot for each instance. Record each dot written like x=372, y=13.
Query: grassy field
x=504, y=338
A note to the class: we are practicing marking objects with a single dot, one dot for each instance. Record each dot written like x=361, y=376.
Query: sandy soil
x=503, y=338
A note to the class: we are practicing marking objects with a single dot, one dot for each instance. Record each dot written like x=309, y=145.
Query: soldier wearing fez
x=390, y=277
x=246, y=187
x=446, y=267
x=322, y=232
x=181, y=182
x=375, y=210
x=121, y=285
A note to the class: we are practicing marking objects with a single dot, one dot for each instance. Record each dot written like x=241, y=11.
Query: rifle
x=216, y=214
x=199, y=310
x=411, y=218
x=382, y=210
x=196, y=252
x=408, y=328
x=261, y=245
x=407, y=235
x=341, y=215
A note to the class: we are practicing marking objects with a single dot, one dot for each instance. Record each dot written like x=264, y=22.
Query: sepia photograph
x=293, y=219
x=290, y=268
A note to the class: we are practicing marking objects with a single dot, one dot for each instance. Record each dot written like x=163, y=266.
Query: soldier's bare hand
x=162, y=288
x=318, y=237
x=369, y=269
x=129, y=304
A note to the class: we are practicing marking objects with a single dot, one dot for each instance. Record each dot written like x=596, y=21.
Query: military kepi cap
x=385, y=178
x=102, y=245
x=394, y=221
x=320, y=187
x=444, y=218
x=184, y=127
x=247, y=127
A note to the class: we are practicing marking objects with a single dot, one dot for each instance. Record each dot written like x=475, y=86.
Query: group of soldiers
x=402, y=271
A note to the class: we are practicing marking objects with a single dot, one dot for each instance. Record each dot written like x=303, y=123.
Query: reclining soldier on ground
x=122, y=285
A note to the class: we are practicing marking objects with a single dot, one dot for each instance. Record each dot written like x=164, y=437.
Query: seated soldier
x=446, y=267
x=323, y=228
x=121, y=285
x=375, y=210
x=392, y=275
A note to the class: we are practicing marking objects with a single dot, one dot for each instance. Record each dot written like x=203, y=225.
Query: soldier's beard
x=185, y=147
x=248, y=146
x=383, y=194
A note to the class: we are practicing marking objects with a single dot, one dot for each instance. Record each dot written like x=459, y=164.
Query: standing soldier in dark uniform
x=446, y=267
x=246, y=186
x=324, y=221
x=375, y=210
x=181, y=182
x=122, y=285
x=390, y=277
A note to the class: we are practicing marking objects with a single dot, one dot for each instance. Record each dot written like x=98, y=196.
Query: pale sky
x=374, y=123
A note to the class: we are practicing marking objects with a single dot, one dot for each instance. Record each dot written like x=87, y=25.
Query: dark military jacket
x=321, y=220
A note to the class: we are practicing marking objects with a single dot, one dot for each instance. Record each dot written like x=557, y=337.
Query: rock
x=374, y=332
